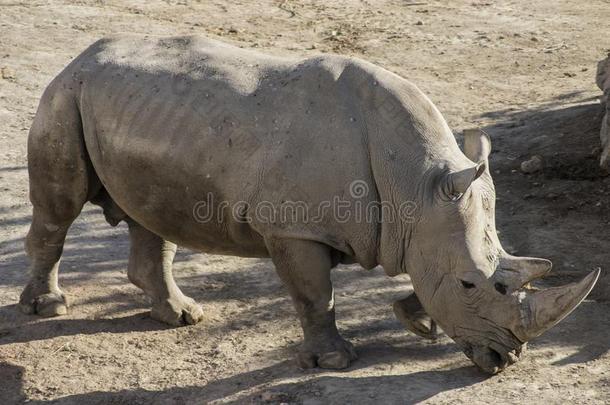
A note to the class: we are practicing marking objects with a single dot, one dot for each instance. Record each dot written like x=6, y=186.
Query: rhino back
x=173, y=122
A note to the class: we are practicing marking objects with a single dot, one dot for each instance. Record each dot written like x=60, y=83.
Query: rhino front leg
x=304, y=267
x=411, y=313
x=150, y=268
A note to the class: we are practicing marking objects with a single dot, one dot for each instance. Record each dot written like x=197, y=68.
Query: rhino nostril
x=501, y=288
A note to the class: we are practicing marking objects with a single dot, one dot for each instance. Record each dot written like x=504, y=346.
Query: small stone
x=533, y=165
x=7, y=73
x=552, y=196
x=420, y=22
x=274, y=396
x=312, y=401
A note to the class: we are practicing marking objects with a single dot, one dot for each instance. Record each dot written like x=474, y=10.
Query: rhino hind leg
x=44, y=245
x=150, y=268
x=59, y=171
x=412, y=315
x=304, y=267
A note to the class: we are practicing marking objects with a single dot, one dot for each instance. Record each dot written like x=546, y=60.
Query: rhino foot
x=177, y=311
x=47, y=304
x=337, y=354
x=412, y=315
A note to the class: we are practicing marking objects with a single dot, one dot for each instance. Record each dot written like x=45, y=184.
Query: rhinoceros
x=198, y=143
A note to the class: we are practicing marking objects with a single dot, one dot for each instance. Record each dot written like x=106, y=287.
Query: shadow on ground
x=11, y=388
x=273, y=385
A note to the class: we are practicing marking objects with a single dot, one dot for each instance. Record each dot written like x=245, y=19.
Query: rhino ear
x=477, y=145
x=458, y=182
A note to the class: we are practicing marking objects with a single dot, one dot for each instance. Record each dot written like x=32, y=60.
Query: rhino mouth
x=492, y=358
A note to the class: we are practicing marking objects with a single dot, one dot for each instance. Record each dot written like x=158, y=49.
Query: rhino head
x=477, y=292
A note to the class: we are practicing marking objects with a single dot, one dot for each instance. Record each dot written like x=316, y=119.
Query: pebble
x=267, y=396
x=532, y=165
x=7, y=73
x=274, y=396
x=552, y=196
x=312, y=401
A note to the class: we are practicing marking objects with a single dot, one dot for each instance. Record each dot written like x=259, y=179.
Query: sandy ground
x=522, y=69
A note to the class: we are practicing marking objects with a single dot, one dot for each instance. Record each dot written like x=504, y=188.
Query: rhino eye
x=501, y=288
x=467, y=285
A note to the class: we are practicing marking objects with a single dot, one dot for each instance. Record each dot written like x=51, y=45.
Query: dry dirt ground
x=522, y=69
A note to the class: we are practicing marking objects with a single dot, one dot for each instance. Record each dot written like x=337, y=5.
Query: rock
x=268, y=396
x=7, y=73
x=420, y=22
x=552, y=196
x=274, y=396
x=312, y=401
x=533, y=165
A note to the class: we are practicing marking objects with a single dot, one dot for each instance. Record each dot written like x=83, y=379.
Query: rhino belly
x=174, y=209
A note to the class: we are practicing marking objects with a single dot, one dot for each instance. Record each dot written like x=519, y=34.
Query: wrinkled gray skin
x=148, y=128
x=603, y=82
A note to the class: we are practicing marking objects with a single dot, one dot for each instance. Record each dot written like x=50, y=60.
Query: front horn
x=541, y=310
